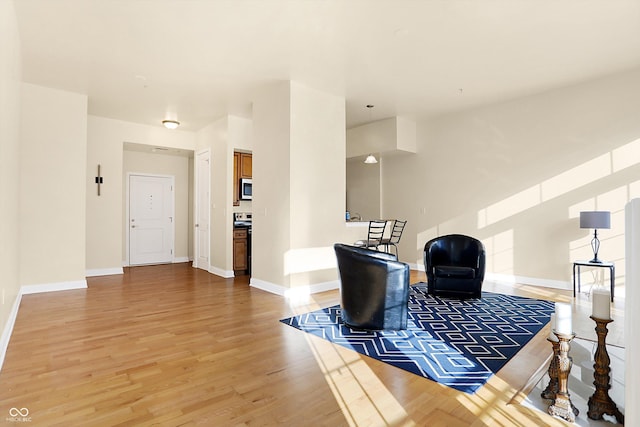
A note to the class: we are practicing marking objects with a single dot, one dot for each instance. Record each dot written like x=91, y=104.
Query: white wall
x=10, y=76
x=105, y=222
x=631, y=318
x=171, y=165
x=299, y=186
x=52, y=186
x=363, y=189
x=517, y=174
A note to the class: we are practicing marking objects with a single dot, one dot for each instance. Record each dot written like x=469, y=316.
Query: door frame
x=128, y=214
x=196, y=201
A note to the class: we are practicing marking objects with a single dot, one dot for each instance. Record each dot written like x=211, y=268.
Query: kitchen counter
x=357, y=223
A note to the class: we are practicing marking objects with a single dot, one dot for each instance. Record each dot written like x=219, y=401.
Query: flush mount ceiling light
x=171, y=124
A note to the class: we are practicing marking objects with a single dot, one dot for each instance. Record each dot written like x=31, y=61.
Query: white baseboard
x=534, y=281
x=227, y=274
x=176, y=260
x=104, y=271
x=512, y=279
x=296, y=291
x=53, y=287
x=8, y=329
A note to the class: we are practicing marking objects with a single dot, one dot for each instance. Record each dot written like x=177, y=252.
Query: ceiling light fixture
x=171, y=124
x=371, y=159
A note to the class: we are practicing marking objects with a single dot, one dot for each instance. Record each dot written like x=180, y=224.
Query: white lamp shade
x=370, y=159
x=595, y=219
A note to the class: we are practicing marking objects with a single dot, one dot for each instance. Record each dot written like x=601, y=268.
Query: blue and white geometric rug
x=458, y=343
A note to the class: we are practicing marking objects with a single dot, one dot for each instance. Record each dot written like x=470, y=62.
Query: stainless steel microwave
x=245, y=189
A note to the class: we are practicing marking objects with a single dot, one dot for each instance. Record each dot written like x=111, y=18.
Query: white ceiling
x=197, y=60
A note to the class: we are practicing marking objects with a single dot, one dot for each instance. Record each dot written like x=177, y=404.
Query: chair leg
x=395, y=249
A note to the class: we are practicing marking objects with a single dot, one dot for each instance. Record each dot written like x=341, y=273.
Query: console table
x=612, y=273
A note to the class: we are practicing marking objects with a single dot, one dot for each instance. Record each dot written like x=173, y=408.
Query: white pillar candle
x=601, y=304
x=553, y=336
x=563, y=318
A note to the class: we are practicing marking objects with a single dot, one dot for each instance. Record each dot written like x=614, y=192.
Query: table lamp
x=596, y=220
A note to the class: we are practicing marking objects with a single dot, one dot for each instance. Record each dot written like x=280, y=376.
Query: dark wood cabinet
x=240, y=250
x=242, y=168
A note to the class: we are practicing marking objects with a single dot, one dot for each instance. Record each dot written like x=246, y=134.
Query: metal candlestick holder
x=562, y=406
x=600, y=403
x=552, y=388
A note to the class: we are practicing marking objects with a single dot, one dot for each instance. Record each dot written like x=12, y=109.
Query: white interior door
x=151, y=207
x=203, y=182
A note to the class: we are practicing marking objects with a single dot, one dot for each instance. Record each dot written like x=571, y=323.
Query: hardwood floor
x=172, y=345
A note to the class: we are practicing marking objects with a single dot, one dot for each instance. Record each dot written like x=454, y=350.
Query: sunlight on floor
x=362, y=397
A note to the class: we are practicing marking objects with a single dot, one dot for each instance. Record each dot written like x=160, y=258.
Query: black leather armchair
x=455, y=265
x=374, y=288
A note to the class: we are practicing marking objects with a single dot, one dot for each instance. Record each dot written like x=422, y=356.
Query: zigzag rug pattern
x=458, y=343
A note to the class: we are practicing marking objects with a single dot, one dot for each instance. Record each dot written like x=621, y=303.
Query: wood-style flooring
x=171, y=345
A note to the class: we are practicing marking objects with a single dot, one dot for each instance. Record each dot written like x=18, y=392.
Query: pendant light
x=371, y=159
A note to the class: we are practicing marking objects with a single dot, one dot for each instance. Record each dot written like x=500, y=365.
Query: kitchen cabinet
x=242, y=168
x=240, y=250
x=246, y=165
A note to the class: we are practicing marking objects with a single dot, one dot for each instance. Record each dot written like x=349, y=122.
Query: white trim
x=181, y=259
x=511, y=279
x=419, y=267
x=53, y=287
x=104, y=271
x=523, y=280
x=295, y=291
x=8, y=329
x=227, y=274
x=196, y=198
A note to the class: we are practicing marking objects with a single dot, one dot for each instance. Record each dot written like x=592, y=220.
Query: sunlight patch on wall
x=510, y=206
x=309, y=259
x=499, y=252
x=583, y=174
x=626, y=156
x=614, y=161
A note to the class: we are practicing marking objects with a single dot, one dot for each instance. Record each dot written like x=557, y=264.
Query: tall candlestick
x=562, y=406
x=564, y=318
x=601, y=308
x=552, y=336
x=600, y=403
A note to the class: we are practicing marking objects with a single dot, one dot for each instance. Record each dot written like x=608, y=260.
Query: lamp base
x=596, y=261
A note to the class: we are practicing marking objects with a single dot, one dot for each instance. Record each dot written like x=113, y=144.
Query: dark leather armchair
x=455, y=265
x=374, y=288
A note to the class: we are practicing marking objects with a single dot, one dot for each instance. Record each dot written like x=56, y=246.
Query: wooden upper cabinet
x=242, y=168
x=236, y=178
x=245, y=165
